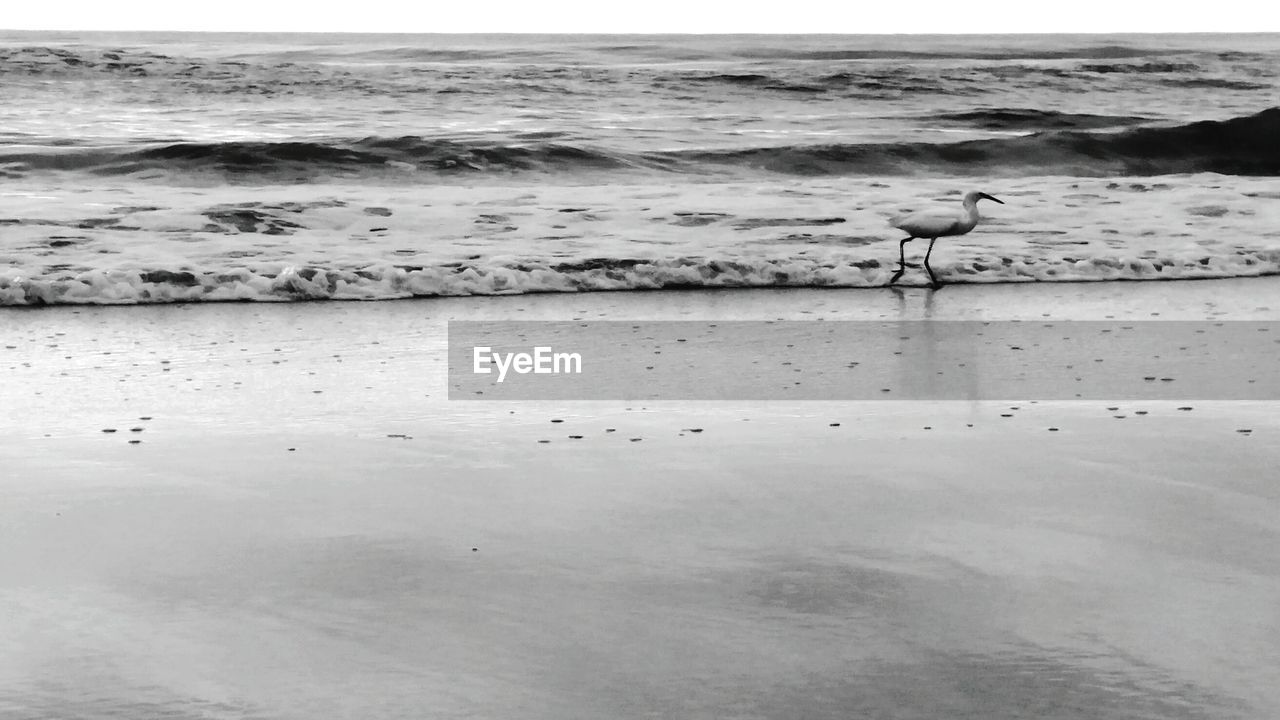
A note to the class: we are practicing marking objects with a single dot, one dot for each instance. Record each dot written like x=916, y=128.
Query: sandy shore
x=306, y=527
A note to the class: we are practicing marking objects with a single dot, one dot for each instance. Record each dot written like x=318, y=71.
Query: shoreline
x=221, y=361
x=647, y=290
x=1036, y=289
x=353, y=241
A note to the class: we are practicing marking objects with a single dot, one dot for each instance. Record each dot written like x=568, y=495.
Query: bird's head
x=973, y=196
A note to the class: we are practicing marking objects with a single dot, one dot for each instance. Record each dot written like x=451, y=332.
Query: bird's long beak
x=988, y=197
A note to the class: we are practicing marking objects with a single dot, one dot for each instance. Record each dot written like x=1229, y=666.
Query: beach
x=252, y=467
x=311, y=529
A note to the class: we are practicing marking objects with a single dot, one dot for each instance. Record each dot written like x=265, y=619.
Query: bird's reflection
x=904, y=311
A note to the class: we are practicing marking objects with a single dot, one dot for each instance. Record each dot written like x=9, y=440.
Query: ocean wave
x=388, y=282
x=1141, y=68
x=43, y=60
x=1238, y=146
x=1033, y=119
x=404, y=54
x=869, y=83
x=1092, y=52
x=286, y=73
x=303, y=160
x=1215, y=83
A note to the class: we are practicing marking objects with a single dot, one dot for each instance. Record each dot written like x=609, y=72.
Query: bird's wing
x=927, y=223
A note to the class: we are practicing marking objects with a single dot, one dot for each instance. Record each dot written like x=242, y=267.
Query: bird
x=934, y=224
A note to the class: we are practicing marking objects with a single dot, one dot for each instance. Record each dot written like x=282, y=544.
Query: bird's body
x=934, y=224
x=937, y=223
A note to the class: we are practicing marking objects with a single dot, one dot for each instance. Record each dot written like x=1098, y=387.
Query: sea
x=164, y=167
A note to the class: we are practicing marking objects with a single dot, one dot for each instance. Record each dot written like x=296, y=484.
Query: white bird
x=934, y=224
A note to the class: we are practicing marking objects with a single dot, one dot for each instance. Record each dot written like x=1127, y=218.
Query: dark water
x=296, y=107
x=1239, y=146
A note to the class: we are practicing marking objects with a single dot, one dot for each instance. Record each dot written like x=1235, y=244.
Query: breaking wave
x=1094, y=52
x=1033, y=119
x=387, y=282
x=1239, y=146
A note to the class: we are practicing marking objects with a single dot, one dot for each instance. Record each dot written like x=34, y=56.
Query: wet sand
x=307, y=528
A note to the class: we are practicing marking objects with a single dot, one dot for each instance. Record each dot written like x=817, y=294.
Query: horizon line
x=521, y=33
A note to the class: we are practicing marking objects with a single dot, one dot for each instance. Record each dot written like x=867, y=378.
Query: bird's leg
x=933, y=281
x=902, y=259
